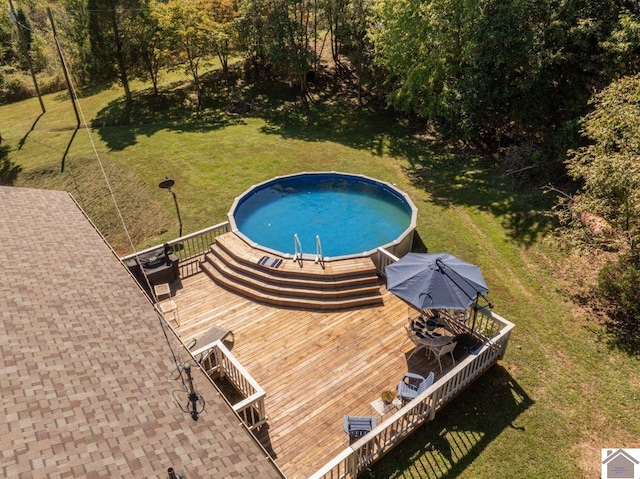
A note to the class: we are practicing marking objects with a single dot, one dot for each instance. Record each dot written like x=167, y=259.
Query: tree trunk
x=122, y=66
x=193, y=67
x=223, y=57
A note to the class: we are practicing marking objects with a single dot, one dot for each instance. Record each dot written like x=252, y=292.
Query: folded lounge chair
x=204, y=342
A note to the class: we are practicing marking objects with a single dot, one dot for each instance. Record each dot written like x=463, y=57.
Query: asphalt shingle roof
x=87, y=368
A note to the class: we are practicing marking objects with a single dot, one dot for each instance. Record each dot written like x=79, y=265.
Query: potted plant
x=387, y=396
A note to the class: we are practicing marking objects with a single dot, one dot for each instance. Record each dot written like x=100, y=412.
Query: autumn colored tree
x=190, y=32
x=224, y=14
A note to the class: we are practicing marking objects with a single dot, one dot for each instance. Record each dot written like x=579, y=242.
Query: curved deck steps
x=232, y=263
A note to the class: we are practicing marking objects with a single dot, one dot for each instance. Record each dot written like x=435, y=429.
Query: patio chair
x=440, y=351
x=168, y=305
x=358, y=426
x=413, y=335
x=408, y=391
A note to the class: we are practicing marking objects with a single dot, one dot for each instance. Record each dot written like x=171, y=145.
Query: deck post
x=219, y=359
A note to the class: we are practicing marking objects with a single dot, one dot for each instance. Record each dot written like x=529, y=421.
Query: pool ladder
x=319, y=256
x=297, y=250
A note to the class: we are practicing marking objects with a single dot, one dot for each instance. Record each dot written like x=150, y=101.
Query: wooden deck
x=314, y=366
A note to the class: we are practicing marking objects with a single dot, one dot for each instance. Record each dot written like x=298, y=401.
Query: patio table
x=423, y=337
x=381, y=408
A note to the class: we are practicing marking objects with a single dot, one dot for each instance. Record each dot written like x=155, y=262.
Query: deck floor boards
x=315, y=366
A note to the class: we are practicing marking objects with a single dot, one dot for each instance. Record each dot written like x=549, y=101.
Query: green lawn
x=561, y=393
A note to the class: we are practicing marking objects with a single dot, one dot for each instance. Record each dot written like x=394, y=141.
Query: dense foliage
x=609, y=171
x=609, y=167
x=492, y=72
x=619, y=291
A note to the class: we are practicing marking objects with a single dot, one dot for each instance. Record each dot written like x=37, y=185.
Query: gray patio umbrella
x=436, y=281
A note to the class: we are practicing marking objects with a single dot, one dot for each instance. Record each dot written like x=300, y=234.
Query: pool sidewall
x=399, y=247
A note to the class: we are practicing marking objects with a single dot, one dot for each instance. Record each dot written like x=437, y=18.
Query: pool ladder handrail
x=319, y=255
x=297, y=249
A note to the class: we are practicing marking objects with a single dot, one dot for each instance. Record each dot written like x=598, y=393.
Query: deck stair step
x=343, y=284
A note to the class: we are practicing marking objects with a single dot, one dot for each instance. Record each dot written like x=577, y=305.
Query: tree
x=425, y=46
x=348, y=23
x=148, y=41
x=190, y=31
x=111, y=23
x=624, y=42
x=522, y=69
x=224, y=15
x=335, y=14
x=609, y=167
x=277, y=36
x=25, y=39
x=252, y=35
x=289, y=50
x=74, y=34
x=6, y=43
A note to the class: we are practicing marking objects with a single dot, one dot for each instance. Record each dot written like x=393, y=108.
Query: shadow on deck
x=444, y=447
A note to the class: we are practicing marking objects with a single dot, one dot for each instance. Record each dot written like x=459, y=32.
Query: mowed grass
x=561, y=393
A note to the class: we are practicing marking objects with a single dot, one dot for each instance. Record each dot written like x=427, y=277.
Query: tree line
x=491, y=72
x=553, y=80
x=484, y=70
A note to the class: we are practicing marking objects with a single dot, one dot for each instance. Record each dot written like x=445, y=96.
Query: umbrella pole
x=475, y=313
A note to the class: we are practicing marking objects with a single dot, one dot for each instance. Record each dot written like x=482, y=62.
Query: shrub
x=18, y=85
x=619, y=291
x=16, y=88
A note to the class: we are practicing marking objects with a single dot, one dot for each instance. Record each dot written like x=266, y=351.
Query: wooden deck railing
x=190, y=248
x=374, y=445
x=219, y=360
x=384, y=259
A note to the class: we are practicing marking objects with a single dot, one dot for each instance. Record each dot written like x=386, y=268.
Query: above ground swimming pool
x=352, y=215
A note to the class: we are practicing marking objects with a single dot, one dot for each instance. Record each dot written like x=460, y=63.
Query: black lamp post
x=166, y=184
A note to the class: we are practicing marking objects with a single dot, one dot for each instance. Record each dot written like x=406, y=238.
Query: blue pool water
x=351, y=214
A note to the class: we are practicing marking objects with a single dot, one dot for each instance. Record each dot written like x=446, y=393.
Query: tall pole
x=23, y=40
x=175, y=200
x=64, y=68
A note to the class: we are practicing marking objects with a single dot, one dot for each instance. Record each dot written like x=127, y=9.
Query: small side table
x=381, y=408
x=162, y=289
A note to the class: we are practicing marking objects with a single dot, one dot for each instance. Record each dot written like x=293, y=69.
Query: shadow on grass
x=176, y=108
x=464, y=178
x=452, y=175
x=33, y=126
x=83, y=91
x=444, y=447
x=418, y=245
x=8, y=169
